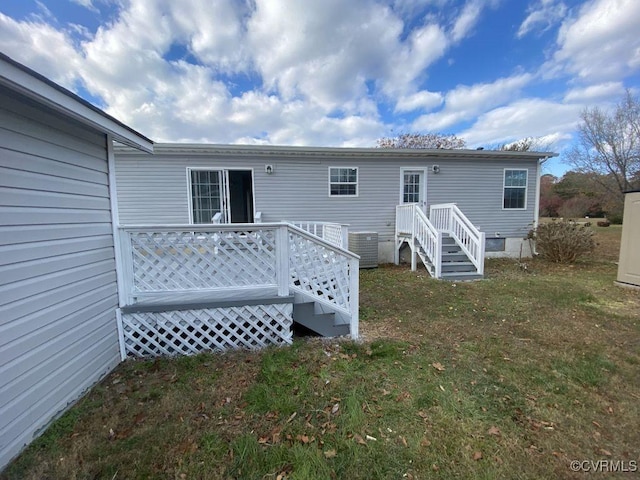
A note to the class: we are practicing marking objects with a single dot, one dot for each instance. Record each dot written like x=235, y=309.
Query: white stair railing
x=324, y=272
x=448, y=218
x=411, y=221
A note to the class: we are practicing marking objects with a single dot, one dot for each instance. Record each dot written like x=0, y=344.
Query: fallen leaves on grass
x=330, y=453
x=305, y=439
x=359, y=439
x=438, y=366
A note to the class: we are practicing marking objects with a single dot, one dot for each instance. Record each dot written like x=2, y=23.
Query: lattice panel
x=318, y=270
x=177, y=261
x=188, y=332
x=332, y=233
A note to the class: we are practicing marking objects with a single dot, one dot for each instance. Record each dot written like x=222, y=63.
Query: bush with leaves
x=562, y=241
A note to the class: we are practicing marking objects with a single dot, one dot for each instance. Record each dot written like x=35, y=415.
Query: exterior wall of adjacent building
x=58, y=292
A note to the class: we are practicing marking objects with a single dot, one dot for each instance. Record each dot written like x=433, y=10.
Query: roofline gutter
x=280, y=151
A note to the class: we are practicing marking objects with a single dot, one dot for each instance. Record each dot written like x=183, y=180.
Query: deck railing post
x=438, y=255
x=345, y=236
x=354, y=294
x=481, y=253
x=126, y=263
x=282, y=260
x=414, y=254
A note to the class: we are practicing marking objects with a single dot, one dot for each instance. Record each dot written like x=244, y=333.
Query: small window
x=343, y=182
x=515, y=189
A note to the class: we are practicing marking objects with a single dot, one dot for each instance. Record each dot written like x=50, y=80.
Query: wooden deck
x=190, y=288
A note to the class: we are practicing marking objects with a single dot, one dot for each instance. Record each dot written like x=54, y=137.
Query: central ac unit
x=365, y=244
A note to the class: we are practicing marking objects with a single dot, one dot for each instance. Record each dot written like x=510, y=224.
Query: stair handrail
x=429, y=238
x=450, y=219
x=350, y=262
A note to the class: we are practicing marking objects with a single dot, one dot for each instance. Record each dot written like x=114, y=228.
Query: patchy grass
x=510, y=377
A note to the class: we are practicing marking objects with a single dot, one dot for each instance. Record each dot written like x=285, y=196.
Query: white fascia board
x=31, y=84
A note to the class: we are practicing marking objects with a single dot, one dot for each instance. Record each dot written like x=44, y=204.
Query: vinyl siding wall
x=154, y=189
x=58, y=293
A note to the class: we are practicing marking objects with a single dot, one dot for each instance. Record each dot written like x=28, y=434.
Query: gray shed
x=58, y=289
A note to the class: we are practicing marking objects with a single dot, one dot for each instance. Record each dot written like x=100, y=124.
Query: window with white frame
x=515, y=189
x=206, y=197
x=343, y=181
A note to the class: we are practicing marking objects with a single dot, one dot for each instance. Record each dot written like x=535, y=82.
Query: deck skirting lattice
x=188, y=332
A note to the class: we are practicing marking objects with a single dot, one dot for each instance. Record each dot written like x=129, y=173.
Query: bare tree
x=609, y=145
x=422, y=140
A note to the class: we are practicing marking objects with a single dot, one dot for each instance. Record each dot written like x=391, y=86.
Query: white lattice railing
x=225, y=260
x=447, y=217
x=335, y=233
x=411, y=221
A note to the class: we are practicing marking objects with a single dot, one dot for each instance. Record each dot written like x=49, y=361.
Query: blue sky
x=335, y=73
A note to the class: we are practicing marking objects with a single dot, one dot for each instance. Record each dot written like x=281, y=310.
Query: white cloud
x=407, y=64
x=465, y=102
x=41, y=47
x=214, y=31
x=88, y=4
x=542, y=15
x=531, y=117
x=467, y=20
x=313, y=73
x=424, y=100
x=601, y=43
x=595, y=93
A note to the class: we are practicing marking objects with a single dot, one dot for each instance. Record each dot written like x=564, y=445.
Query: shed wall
x=629, y=264
x=58, y=291
x=154, y=190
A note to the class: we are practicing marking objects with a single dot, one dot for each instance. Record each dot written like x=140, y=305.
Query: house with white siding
x=58, y=289
x=496, y=193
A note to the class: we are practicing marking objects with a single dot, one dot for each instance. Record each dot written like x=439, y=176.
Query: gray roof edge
x=288, y=150
x=34, y=85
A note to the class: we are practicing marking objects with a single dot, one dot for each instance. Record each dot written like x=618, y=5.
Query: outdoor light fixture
x=435, y=169
x=268, y=169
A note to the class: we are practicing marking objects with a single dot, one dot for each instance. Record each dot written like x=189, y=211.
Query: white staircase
x=447, y=243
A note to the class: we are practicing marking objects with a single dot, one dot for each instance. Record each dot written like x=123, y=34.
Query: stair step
x=322, y=323
x=458, y=276
x=454, y=257
x=458, y=267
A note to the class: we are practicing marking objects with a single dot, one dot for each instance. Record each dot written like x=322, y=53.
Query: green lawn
x=511, y=377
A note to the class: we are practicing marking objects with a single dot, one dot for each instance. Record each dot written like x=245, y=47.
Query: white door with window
x=413, y=186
